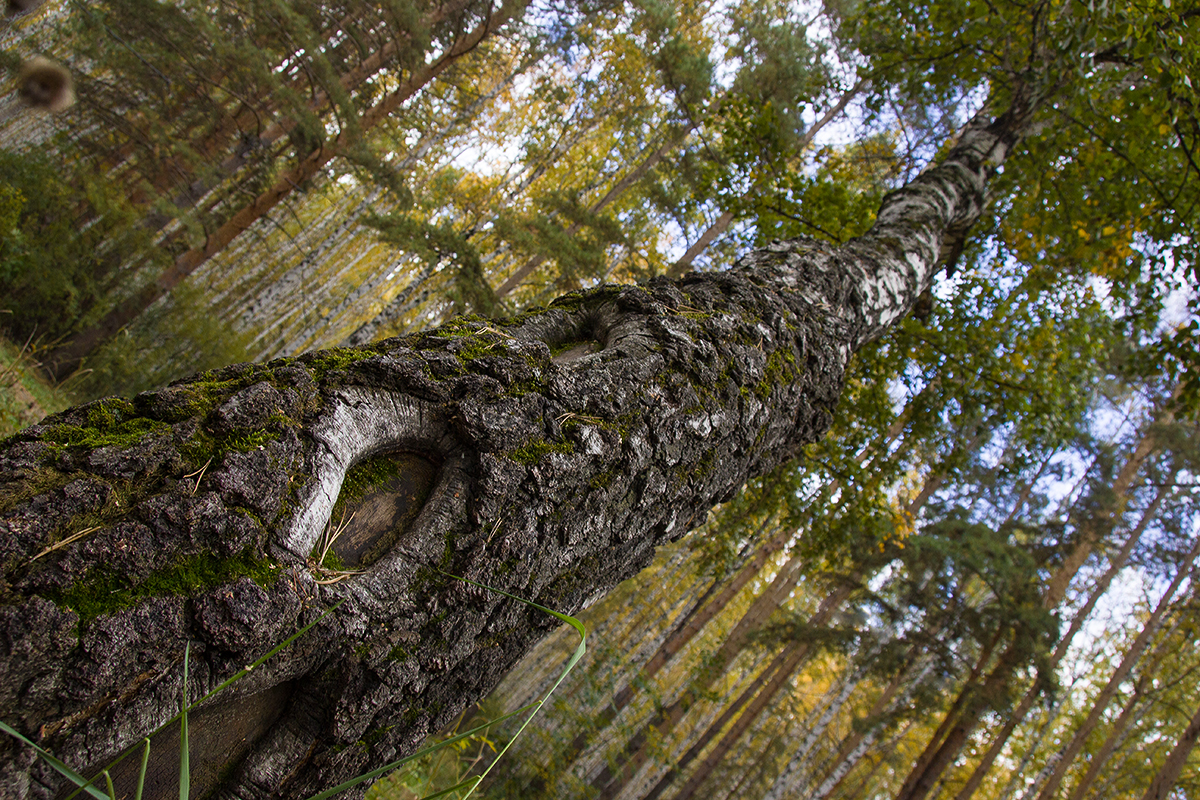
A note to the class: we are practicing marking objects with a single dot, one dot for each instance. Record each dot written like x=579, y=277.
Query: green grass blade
x=108, y=784
x=185, y=778
x=574, y=659
x=111, y=766
x=60, y=767
x=472, y=782
x=141, y=781
x=86, y=785
x=386, y=768
x=243, y=673
x=533, y=708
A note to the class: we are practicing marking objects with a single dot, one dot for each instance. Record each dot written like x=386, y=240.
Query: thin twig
x=571, y=415
x=490, y=329
x=199, y=475
x=73, y=537
x=339, y=575
x=338, y=531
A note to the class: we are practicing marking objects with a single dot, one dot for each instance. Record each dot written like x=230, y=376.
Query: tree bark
x=546, y=456
x=708, y=606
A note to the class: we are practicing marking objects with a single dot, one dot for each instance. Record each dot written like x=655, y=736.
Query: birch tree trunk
x=1135, y=707
x=739, y=715
x=1099, y=704
x=546, y=456
x=1164, y=781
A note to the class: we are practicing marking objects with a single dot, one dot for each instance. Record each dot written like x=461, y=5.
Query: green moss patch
x=245, y=442
x=37, y=481
x=362, y=478
x=104, y=591
x=110, y=423
x=533, y=452
x=335, y=359
x=781, y=369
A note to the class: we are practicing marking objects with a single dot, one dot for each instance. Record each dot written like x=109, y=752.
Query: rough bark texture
x=547, y=456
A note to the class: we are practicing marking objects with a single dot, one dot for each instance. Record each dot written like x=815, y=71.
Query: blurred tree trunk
x=739, y=715
x=65, y=359
x=974, y=697
x=1067, y=754
x=1164, y=781
x=1031, y=695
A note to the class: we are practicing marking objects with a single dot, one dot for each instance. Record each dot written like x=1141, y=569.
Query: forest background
x=978, y=585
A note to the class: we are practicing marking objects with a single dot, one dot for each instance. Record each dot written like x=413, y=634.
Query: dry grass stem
x=73, y=537
x=199, y=476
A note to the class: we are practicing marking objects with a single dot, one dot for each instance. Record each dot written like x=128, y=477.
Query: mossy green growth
x=103, y=591
x=571, y=301
x=465, y=325
x=204, y=448
x=781, y=368
x=362, y=478
x=705, y=465
x=337, y=358
x=332, y=561
x=252, y=440
x=604, y=479
x=476, y=347
x=110, y=423
x=40, y=480
x=571, y=344
x=202, y=396
x=534, y=451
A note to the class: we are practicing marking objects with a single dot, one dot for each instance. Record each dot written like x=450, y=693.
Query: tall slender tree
x=349, y=422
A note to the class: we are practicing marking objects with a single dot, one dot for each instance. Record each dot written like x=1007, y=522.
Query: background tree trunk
x=66, y=358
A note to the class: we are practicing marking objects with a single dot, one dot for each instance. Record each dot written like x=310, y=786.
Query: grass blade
x=270, y=653
x=141, y=781
x=472, y=782
x=185, y=778
x=571, y=662
x=88, y=786
x=386, y=768
x=532, y=708
x=59, y=766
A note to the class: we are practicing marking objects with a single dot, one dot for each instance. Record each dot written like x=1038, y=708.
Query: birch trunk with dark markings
x=546, y=456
